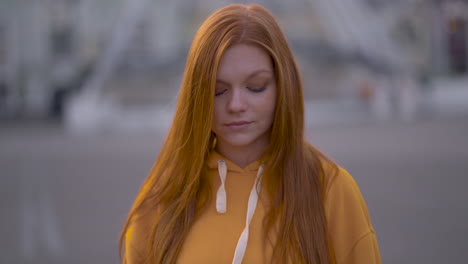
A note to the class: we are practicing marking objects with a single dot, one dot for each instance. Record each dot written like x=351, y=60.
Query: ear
x=213, y=136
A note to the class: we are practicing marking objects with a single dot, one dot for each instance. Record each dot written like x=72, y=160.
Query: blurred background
x=87, y=91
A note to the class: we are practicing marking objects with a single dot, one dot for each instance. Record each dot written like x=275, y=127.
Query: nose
x=237, y=101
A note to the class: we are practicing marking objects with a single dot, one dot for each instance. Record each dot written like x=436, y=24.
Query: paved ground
x=64, y=198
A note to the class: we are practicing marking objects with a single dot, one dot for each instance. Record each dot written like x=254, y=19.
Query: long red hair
x=294, y=175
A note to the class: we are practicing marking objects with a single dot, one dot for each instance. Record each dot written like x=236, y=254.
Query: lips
x=238, y=125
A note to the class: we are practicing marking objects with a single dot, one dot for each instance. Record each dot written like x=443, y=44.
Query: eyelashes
x=257, y=90
x=220, y=92
x=252, y=89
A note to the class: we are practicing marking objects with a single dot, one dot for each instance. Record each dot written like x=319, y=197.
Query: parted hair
x=295, y=221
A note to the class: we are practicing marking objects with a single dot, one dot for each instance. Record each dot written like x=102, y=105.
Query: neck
x=242, y=156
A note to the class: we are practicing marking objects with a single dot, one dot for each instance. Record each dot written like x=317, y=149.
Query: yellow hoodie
x=223, y=234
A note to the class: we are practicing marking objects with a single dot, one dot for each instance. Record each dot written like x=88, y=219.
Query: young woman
x=236, y=181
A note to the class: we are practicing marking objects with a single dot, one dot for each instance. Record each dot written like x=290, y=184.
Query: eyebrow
x=250, y=75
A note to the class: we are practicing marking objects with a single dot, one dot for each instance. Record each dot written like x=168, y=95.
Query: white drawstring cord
x=221, y=195
x=253, y=200
x=221, y=204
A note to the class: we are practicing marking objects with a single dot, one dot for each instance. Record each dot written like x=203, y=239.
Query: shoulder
x=137, y=236
x=339, y=183
x=348, y=219
x=343, y=198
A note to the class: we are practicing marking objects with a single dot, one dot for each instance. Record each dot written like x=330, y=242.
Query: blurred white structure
x=96, y=59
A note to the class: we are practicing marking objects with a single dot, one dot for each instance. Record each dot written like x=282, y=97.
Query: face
x=245, y=99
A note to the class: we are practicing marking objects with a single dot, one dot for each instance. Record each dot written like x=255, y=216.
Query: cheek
x=217, y=115
x=271, y=113
x=269, y=106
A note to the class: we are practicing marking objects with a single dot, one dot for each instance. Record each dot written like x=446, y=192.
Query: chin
x=239, y=141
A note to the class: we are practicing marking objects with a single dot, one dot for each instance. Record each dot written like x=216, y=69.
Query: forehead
x=242, y=60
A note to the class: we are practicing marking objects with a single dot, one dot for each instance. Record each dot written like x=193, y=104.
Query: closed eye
x=257, y=89
x=220, y=92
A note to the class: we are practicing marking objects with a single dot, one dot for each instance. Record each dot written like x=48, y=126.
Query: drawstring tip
x=221, y=209
x=221, y=201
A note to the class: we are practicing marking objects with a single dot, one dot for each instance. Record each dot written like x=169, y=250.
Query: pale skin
x=245, y=101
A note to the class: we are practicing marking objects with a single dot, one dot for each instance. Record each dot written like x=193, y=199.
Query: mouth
x=239, y=125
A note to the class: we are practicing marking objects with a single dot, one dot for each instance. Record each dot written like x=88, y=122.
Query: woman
x=236, y=181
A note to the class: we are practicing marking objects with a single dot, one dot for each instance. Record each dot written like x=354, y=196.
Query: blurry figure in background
x=236, y=181
x=457, y=44
x=366, y=90
x=374, y=93
x=382, y=103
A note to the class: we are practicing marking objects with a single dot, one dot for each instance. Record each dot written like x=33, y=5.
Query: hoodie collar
x=231, y=166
